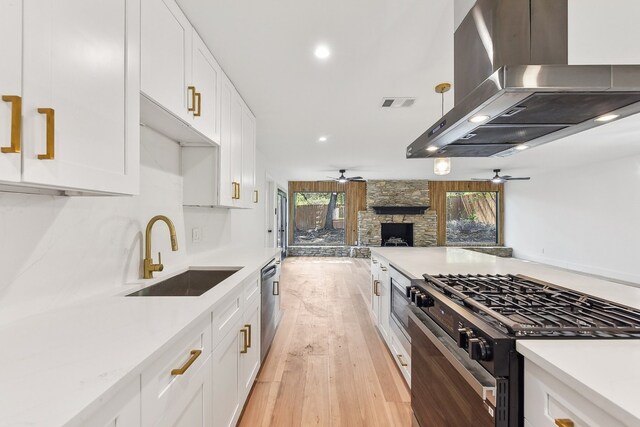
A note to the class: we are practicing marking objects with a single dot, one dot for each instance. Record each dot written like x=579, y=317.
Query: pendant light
x=442, y=165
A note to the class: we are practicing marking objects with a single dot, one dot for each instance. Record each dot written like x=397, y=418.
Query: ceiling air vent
x=398, y=102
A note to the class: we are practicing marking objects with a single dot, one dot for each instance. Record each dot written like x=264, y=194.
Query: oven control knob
x=424, y=300
x=414, y=292
x=410, y=290
x=414, y=297
x=464, y=335
x=479, y=349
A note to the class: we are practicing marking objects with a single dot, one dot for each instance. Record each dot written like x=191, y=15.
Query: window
x=472, y=218
x=319, y=219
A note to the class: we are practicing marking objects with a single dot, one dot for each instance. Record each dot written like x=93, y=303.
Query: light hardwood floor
x=328, y=366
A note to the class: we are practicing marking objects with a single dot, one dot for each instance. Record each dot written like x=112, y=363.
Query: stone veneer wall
x=397, y=193
x=329, y=251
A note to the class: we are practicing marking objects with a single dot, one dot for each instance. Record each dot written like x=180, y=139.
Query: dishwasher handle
x=269, y=272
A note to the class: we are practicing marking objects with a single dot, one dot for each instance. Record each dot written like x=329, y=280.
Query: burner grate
x=529, y=307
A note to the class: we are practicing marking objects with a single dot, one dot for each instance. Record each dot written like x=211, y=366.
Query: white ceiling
x=380, y=48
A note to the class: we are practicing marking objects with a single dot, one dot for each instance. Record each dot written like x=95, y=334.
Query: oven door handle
x=479, y=379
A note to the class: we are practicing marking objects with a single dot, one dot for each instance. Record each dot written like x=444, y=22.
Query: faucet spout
x=149, y=266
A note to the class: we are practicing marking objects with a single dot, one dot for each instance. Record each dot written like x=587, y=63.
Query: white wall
x=58, y=250
x=585, y=218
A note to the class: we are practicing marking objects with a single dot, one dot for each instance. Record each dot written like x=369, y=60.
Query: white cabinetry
x=375, y=300
x=176, y=389
x=250, y=361
x=80, y=78
x=123, y=410
x=225, y=175
x=10, y=89
x=547, y=399
x=180, y=80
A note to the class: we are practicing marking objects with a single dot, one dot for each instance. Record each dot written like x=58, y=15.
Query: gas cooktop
x=522, y=306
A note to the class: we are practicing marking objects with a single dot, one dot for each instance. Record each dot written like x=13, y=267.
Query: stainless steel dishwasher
x=270, y=290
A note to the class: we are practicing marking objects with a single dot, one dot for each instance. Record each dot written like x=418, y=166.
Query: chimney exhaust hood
x=514, y=87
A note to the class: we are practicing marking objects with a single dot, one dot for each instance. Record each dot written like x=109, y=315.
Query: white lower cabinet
x=548, y=400
x=226, y=399
x=176, y=388
x=250, y=361
x=123, y=410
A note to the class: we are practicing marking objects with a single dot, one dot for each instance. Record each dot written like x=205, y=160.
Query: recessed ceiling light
x=432, y=148
x=522, y=147
x=607, y=118
x=322, y=139
x=322, y=51
x=479, y=118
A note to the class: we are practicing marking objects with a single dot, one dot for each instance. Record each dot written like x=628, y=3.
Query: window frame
x=497, y=222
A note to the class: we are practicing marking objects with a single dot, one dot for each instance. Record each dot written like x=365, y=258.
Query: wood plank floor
x=328, y=366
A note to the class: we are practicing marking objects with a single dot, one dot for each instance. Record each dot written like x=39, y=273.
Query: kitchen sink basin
x=191, y=283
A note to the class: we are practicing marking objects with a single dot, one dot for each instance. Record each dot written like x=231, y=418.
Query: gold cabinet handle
x=248, y=326
x=245, y=340
x=277, y=261
x=191, y=90
x=376, y=292
x=16, y=123
x=255, y=196
x=401, y=360
x=276, y=287
x=375, y=261
x=564, y=422
x=51, y=129
x=383, y=268
x=194, y=355
x=198, y=99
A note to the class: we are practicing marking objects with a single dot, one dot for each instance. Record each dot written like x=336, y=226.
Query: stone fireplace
x=397, y=194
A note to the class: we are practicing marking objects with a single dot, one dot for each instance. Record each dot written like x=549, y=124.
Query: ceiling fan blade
x=505, y=176
x=524, y=178
x=356, y=178
x=480, y=179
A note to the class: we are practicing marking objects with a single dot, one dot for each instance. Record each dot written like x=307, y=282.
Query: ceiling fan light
x=497, y=180
x=342, y=180
x=442, y=166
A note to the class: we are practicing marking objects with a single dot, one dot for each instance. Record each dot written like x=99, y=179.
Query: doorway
x=282, y=221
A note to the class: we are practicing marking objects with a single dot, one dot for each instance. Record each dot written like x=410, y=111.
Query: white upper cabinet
x=80, y=104
x=206, y=80
x=166, y=57
x=69, y=80
x=180, y=80
x=249, y=191
x=10, y=89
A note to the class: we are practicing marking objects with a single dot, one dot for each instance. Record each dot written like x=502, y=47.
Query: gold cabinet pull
x=245, y=340
x=194, y=355
x=276, y=287
x=197, y=101
x=248, y=326
x=16, y=123
x=255, y=196
x=401, y=360
x=383, y=268
x=51, y=129
x=564, y=422
x=376, y=289
x=192, y=91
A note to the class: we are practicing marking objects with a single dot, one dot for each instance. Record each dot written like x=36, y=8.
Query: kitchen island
x=602, y=374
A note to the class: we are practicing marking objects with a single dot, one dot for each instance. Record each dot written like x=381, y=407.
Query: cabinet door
x=166, y=57
x=80, y=94
x=194, y=409
x=225, y=194
x=206, y=80
x=226, y=379
x=375, y=300
x=250, y=361
x=236, y=146
x=10, y=86
x=384, y=301
x=249, y=198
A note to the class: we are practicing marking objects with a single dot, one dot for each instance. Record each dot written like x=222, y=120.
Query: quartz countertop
x=607, y=372
x=60, y=365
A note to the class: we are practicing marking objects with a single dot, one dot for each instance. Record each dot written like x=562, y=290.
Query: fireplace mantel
x=400, y=210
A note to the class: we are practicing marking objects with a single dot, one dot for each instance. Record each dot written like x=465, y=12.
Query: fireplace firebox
x=397, y=234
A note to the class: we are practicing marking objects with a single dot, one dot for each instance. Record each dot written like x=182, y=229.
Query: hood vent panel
x=536, y=100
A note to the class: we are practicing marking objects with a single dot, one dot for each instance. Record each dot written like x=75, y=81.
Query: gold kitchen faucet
x=149, y=266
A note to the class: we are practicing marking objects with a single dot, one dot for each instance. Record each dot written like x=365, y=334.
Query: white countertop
x=607, y=372
x=62, y=364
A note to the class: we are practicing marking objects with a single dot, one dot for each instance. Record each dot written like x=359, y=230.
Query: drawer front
x=546, y=399
x=401, y=357
x=225, y=314
x=252, y=288
x=176, y=370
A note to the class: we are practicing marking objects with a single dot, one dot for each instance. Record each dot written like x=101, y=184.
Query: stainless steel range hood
x=536, y=101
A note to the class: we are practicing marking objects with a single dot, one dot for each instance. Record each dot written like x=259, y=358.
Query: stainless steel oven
x=448, y=388
x=400, y=302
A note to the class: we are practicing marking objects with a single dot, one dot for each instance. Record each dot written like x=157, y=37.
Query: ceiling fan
x=497, y=179
x=343, y=179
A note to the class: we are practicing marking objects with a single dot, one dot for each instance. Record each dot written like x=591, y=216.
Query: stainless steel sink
x=191, y=283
